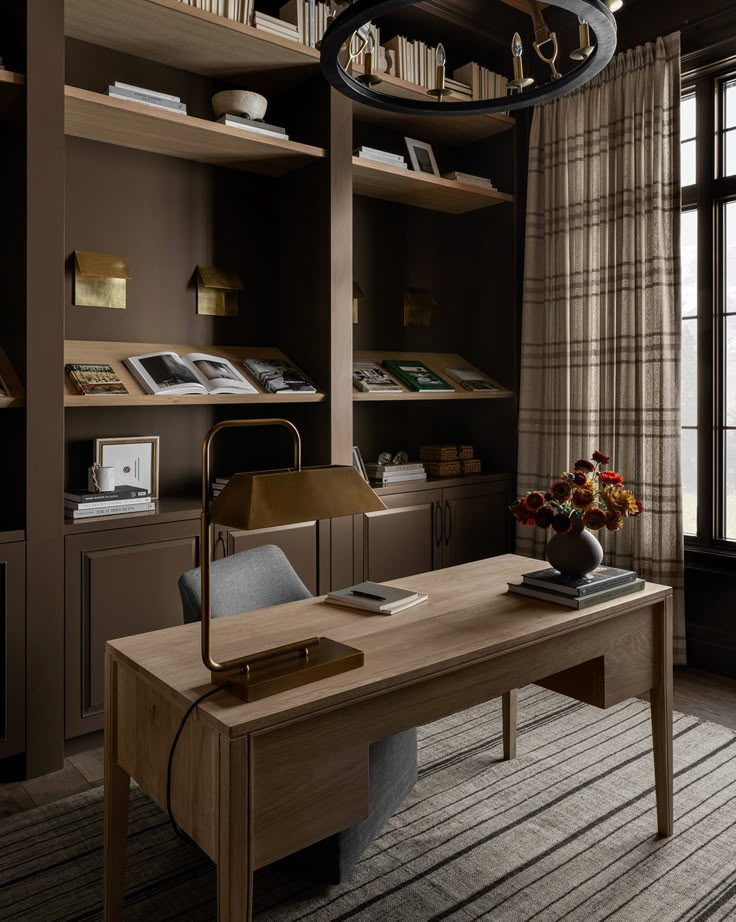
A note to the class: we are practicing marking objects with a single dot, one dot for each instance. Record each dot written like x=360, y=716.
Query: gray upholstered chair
x=264, y=577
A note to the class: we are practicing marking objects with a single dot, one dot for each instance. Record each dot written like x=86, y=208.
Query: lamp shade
x=265, y=500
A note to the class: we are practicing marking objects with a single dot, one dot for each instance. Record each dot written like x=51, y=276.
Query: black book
x=124, y=491
x=552, y=580
x=594, y=598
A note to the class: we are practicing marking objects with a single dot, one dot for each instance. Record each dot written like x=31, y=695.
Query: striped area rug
x=566, y=831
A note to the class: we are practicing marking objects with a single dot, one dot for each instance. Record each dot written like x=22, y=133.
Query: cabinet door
x=12, y=648
x=298, y=542
x=404, y=539
x=118, y=583
x=475, y=522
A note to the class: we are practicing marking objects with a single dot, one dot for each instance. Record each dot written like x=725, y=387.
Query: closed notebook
x=384, y=600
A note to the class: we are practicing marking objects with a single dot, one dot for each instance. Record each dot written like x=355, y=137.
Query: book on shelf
x=146, y=505
x=278, y=376
x=372, y=379
x=124, y=492
x=276, y=26
x=417, y=376
x=195, y=373
x=295, y=12
x=483, y=83
x=376, y=597
x=375, y=152
x=577, y=602
x=236, y=10
x=95, y=380
x=147, y=98
x=104, y=503
x=469, y=179
x=247, y=124
x=552, y=580
x=470, y=379
x=386, y=480
x=4, y=391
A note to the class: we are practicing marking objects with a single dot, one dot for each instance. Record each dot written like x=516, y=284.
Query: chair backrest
x=242, y=582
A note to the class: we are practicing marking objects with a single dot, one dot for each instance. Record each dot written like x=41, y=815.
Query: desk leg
x=661, y=708
x=117, y=787
x=234, y=873
x=509, y=701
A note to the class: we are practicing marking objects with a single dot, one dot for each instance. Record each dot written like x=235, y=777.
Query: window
x=708, y=253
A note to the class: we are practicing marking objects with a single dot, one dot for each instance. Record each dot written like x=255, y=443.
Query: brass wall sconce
x=358, y=296
x=100, y=280
x=418, y=307
x=217, y=292
x=264, y=500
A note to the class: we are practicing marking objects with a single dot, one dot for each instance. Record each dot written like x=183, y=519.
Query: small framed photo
x=358, y=463
x=135, y=460
x=421, y=156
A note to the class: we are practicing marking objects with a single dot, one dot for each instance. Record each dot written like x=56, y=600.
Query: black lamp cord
x=192, y=707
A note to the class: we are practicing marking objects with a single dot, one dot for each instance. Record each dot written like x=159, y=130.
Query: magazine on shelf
x=416, y=375
x=95, y=380
x=194, y=373
x=470, y=379
x=371, y=378
x=279, y=376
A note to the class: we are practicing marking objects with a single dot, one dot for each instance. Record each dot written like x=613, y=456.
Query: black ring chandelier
x=593, y=15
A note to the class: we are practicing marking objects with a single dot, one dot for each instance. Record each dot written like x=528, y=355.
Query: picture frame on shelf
x=358, y=463
x=135, y=459
x=422, y=157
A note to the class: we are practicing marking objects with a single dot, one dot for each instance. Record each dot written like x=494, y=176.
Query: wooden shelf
x=128, y=124
x=422, y=190
x=438, y=362
x=181, y=36
x=16, y=397
x=445, y=129
x=11, y=85
x=114, y=353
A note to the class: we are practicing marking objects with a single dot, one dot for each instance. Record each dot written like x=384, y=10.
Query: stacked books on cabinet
x=602, y=585
x=124, y=500
x=385, y=474
x=152, y=98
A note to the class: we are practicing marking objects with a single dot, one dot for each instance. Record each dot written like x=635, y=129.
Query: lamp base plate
x=283, y=672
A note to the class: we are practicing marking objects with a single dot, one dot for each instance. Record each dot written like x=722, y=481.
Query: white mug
x=101, y=479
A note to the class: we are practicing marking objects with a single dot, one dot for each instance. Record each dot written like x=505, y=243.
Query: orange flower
x=535, y=500
x=611, y=478
x=583, y=497
x=560, y=490
x=614, y=520
x=621, y=501
x=594, y=518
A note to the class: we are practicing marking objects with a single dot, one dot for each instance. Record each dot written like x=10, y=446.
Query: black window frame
x=708, y=196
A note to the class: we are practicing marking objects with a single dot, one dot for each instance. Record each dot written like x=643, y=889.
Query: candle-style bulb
x=441, y=56
x=517, y=49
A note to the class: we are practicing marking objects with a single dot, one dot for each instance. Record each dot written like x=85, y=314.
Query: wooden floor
x=710, y=697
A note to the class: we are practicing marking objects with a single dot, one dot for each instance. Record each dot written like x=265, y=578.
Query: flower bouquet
x=588, y=497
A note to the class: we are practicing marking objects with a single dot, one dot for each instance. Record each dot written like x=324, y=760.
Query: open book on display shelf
x=194, y=373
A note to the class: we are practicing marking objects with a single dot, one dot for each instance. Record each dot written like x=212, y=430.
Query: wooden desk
x=254, y=782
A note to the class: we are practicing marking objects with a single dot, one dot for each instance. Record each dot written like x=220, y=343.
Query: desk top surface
x=468, y=617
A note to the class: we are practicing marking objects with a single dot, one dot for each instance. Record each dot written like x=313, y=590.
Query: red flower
x=584, y=465
x=560, y=490
x=549, y=495
x=600, y=457
x=562, y=523
x=611, y=478
x=543, y=517
x=580, y=478
x=520, y=512
x=639, y=506
x=534, y=500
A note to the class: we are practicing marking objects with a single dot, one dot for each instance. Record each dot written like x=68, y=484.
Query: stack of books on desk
x=124, y=500
x=602, y=585
x=156, y=100
x=381, y=156
x=385, y=474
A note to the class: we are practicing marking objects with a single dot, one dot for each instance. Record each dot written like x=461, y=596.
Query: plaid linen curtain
x=600, y=355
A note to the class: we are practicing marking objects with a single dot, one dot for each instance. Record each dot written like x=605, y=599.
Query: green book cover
x=416, y=375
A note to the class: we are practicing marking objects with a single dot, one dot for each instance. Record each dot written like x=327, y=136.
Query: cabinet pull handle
x=220, y=541
x=448, y=522
x=438, y=524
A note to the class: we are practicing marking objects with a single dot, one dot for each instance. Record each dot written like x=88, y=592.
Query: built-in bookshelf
x=421, y=190
x=97, y=117
x=114, y=354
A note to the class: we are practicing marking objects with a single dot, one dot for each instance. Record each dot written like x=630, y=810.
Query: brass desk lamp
x=264, y=500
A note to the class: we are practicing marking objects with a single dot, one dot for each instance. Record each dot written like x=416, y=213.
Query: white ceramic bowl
x=239, y=102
